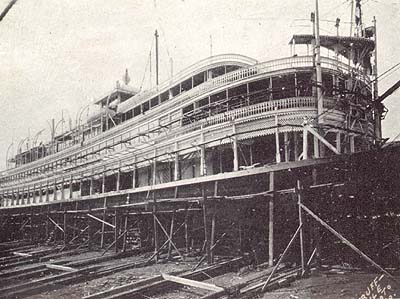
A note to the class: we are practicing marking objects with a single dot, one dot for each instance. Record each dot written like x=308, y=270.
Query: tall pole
x=351, y=17
x=318, y=71
x=337, y=35
x=318, y=65
x=156, y=36
x=377, y=116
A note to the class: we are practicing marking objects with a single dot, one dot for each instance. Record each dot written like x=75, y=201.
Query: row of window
x=179, y=88
x=272, y=88
x=300, y=84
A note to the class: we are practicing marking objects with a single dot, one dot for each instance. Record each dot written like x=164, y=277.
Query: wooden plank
x=344, y=240
x=157, y=284
x=281, y=258
x=271, y=220
x=38, y=284
x=61, y=268
x=100, y=220
x=192, y=283
x=167, y=235
x=22, y=254
x=56, y=224
x=298, y=191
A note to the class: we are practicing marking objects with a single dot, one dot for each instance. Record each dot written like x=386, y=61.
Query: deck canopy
x=121, y=93
x=343, y=44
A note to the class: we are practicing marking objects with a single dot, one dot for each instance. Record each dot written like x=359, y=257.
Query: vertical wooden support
x=221, y=166
x=40, y=192
x=277, y=145
x=235, y=148
x=103, y=181
x=12, y=197
x=203, y=170
x=154, y=168
x=352, y=144
x=17, y=197
x=62, y=189
x=125, y=232
x=176, y=163
x=55, y=189
x=47, y=223
x=90, y=227
x=316, y=232
x=187, y=245
x=65, y=227
x=118, y=183
x=74, y=218
x=80, y=185
x=21, y=196
x=33, y=194
x=47, y=191
x=338, y=142
x=240, y=235
x=134, y=173
x=206, y=240
x=32, y=234
x=91, y=184
x=286, y=141
x=71, y=181
x=212, y=240
x=295, y=145
x=305, y=143
x=102, y=224
x=271, y=220
x=26, y=200
x=171, y=232
x=116, y=230
x=155, y=227
x=316, y=147
x=251, y=154
x=298, y=191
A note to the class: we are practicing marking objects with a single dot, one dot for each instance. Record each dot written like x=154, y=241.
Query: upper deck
x=178, y=116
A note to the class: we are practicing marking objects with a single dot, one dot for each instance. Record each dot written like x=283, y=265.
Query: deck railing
x=262, y=68
x=294, y=104
x=264, y=107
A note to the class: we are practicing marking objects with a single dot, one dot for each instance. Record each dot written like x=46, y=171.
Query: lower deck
x=252, y=211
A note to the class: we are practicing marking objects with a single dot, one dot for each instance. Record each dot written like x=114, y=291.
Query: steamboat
x=228, y=138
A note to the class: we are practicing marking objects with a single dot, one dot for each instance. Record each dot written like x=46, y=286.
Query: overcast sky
x=57, y=56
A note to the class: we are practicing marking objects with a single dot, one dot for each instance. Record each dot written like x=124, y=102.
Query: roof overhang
x=344, y=44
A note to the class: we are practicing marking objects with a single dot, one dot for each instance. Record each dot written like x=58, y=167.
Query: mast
x=351, y=17
x=358, y=18
x=156, y=36
x=318, y=70
x=337, y=46
x=377, y=116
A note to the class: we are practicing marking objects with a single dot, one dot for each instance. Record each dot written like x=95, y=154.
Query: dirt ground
x=320, y=284
x=111, y=281
x=345, y=286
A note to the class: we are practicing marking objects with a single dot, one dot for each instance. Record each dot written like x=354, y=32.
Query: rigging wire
x=166, y=45
x=147, y=65
x=335, y=8
x=388, y=72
